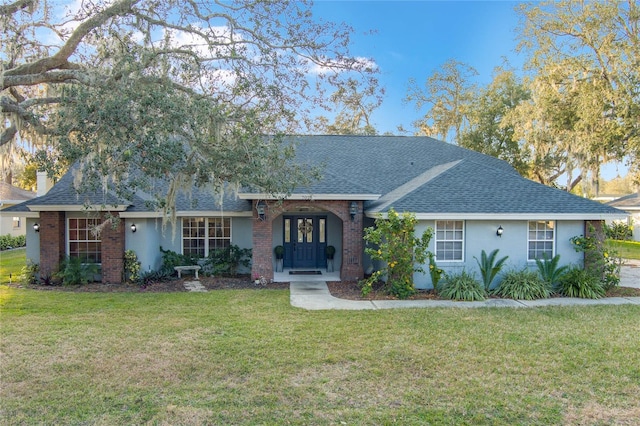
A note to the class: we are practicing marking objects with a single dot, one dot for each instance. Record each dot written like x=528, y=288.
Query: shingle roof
x=631, y=201
x=417, y=174
x=10, y=194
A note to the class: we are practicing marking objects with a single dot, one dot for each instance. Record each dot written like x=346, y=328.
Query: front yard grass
x=11, y=264
x=248, y=357
x=627, y=249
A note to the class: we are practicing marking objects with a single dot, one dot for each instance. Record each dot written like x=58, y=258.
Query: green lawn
x=248, y=357
x=11, y=262
x=627, y=249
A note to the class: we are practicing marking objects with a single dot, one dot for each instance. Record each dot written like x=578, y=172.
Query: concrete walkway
x=315, y=295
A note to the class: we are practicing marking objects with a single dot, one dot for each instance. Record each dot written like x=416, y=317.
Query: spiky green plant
x=578, y=282
x=489, y=268
x=523, y=285
x=549, y=270
x=462, y=286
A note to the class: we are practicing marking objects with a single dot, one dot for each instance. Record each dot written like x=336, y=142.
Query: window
x=16, y=222
x=219, y=233
x=83, y=241
x=449, y=239
x=201, y=235
x=541, y=238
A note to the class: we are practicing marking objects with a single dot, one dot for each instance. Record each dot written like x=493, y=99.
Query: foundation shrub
x=392, y=241
x=72, y=271
x=227, y=261
x=523, y=285
x=549, y=269
x=578, y=282
x=462, y=286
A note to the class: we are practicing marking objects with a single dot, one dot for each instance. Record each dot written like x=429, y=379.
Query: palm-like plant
x=549, y=270
x=489, y=268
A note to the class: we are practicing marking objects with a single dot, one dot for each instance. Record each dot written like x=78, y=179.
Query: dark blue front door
x=304, y=241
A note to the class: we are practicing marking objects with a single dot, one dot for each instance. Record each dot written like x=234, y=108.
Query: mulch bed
x=175, y=285
x=351, y=291
x=342, y=289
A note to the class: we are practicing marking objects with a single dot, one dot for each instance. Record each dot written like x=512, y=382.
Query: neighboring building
x=463, y=195
x=631, y=204
x=14, y=224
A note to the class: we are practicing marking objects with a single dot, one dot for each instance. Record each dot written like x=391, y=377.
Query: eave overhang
x=508, y=216
x=308, y=197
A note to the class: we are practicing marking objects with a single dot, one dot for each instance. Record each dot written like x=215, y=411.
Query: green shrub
x=393, y=242
x=523, y=285
x=618, y=231
x=9, y=242
x=600, y=259
x=489, y=268
x=578, y=282
x=549, y=270
x=227, y=261
x=131, y=267
x=160, y=275
x=30, y=273
x=462, y=286
x=72, y=271
x=170, y=259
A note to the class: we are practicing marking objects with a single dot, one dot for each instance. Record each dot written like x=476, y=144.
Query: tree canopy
x=577, y=108
x=182, y=90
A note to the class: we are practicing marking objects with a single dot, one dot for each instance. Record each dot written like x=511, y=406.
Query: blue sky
x=414, y=38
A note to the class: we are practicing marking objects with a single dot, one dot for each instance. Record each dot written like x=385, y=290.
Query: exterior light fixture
x=133, y=227
x=353, y=210
x=36, y=227
x=260, y=208
x=499, y=231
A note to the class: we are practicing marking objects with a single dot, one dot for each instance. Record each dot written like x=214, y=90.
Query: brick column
x=352, y=243
x=52, y=242
x=113, y=253
x=261, y=254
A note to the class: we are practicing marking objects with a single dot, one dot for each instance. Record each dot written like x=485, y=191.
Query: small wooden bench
x=180, y=269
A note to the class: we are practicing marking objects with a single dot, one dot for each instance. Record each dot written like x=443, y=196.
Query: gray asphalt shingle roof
x=396, y=166
x=13, y=194
x=631, y=201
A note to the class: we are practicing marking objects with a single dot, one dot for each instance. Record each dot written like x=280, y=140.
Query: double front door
x=305, y=241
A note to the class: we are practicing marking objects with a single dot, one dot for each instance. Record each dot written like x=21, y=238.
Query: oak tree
x=183, y=91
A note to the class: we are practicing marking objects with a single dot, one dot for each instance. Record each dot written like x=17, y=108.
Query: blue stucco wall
x=481, y=235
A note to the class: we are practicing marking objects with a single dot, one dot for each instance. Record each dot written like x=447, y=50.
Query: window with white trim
x=449, y=240
x=84, y=241
x=200, y=235
x=541, y=239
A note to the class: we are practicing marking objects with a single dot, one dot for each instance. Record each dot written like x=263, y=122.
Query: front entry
x=305, y=241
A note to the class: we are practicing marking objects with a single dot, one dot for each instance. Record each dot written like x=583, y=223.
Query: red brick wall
x=113, y=253
x=352, y=242
x=52, y=241
x=53, y=247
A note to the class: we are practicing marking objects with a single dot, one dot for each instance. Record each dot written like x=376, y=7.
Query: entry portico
x=305, y=227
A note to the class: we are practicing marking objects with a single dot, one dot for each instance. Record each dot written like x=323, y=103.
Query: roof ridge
x=413, y=184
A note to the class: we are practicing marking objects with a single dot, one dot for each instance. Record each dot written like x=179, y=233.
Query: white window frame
x=206, y=236
x=438, y=229
x=544, y=239
x=90, y=224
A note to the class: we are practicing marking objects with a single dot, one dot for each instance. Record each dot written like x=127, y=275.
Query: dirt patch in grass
x=175, y=285
x=350, y=290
